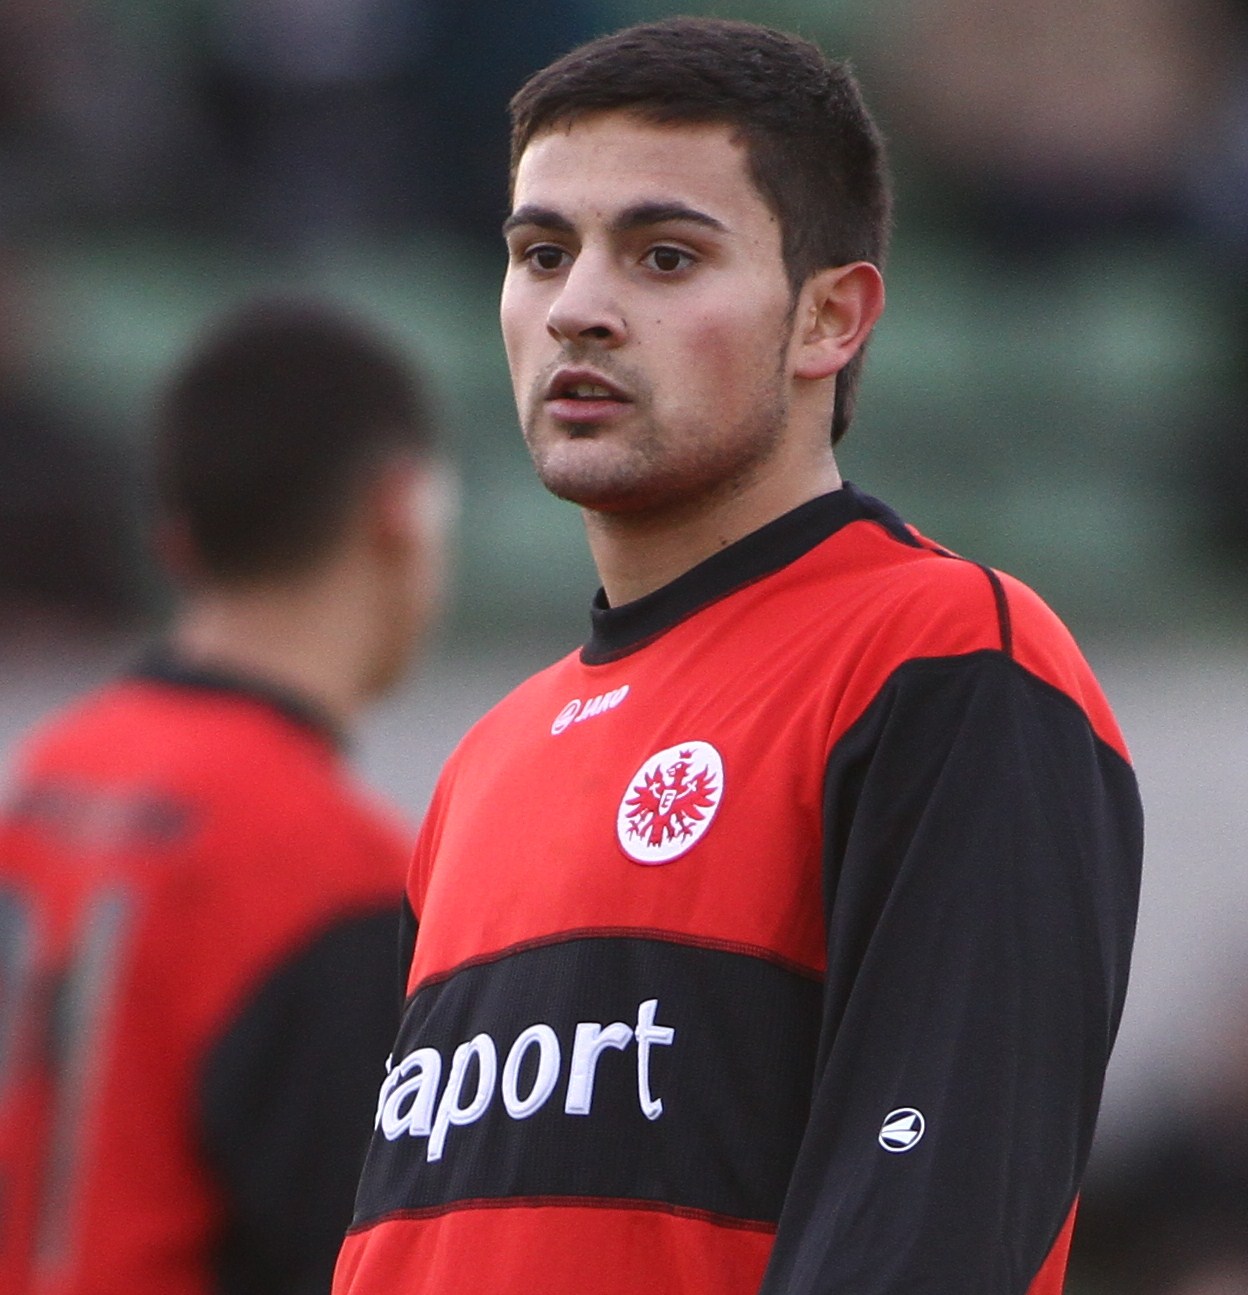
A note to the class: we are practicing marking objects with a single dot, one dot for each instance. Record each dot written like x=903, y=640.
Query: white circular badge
x=902, y=1130
x=670, y=802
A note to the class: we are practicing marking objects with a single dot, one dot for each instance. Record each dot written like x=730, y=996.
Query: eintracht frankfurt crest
x=670, y=802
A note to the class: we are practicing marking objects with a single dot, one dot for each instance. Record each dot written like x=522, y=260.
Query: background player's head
x=294, y=448
x=812, y=149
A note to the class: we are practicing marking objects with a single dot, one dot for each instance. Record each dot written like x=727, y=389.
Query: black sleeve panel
x=982, y=871
x=287, y=1096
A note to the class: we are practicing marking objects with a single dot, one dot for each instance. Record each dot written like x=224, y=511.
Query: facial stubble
x=647, y=468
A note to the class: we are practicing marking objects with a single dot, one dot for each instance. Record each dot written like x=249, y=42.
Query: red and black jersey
x=775, y=941
x=196, y=909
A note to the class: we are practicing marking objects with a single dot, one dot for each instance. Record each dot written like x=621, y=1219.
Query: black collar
x=162, y=665
x=617, y=631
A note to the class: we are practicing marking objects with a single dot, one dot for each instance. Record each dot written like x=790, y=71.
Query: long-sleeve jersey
x=773, y=942
x=196, y=909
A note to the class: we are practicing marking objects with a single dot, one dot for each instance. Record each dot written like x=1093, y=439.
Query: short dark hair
x=813, y=150
x=265, y=433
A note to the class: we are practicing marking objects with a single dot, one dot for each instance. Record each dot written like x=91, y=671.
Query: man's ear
x=415, y=503
x=836, y=311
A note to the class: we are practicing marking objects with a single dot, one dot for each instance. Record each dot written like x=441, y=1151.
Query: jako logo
x=670, y=802
x=902, y=1129
x=576, y=713
x=409, y=1103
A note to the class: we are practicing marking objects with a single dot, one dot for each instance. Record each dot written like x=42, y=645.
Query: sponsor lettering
x=414, y=1102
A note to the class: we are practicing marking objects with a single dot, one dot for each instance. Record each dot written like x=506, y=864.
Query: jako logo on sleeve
x=411, y=1105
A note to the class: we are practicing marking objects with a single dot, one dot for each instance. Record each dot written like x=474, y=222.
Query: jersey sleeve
x=982, y=858
x=307, y=1048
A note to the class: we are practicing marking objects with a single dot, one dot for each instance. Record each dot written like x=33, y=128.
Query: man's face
x=646, y=315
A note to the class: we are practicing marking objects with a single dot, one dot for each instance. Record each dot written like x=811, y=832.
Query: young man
x=196, y=902
x=775, y=940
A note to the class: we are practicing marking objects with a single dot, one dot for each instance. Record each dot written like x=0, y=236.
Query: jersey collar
x=162, y=665
x=617, y=631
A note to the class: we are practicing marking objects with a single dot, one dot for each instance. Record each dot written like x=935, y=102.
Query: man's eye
x=668, y=259
x=545, y=256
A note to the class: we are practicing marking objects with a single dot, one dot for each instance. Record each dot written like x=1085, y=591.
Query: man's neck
x=637, y=553
x=276, y=638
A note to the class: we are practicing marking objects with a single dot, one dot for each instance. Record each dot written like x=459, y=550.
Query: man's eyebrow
x=639, y=216
x=541, y=217
x=663, y=213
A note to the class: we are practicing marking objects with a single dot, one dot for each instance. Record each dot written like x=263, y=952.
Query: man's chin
x=611, y=499
x=600, y=473
x=594, y=496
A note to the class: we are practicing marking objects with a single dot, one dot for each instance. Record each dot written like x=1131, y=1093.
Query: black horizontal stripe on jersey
x=601, y=932
x=734, y=1084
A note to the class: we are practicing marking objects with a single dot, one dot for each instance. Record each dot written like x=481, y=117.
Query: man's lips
x=583, y=383
x=583, y=396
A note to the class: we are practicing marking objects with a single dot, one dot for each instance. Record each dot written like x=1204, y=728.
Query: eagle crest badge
x=670, y=802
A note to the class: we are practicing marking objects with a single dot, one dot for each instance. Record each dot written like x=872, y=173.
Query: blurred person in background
x=776, y=940
x=197, y=903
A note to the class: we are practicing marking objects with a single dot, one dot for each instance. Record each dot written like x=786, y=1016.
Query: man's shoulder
x=892, y=574
x=79, y=725
x=950, y=606
x=228, y=762
x=885, y=597
x=528, y=701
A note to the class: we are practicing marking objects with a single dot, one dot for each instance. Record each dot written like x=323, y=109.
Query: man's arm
x=287, y=1096
x=982, y=869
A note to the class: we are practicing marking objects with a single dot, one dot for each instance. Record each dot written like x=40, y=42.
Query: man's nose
x=587, y=306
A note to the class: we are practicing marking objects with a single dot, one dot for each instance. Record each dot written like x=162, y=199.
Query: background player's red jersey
x=199, y=916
